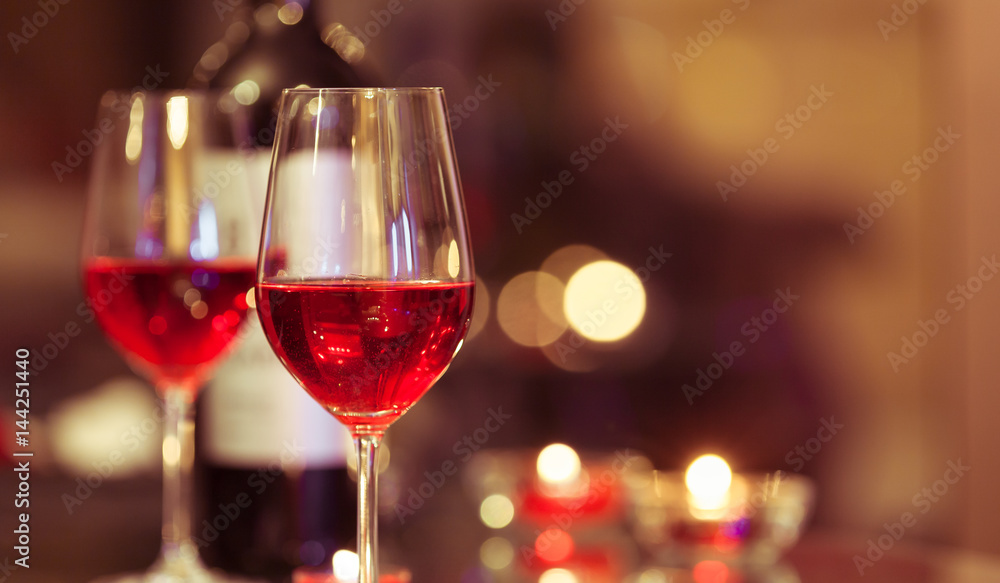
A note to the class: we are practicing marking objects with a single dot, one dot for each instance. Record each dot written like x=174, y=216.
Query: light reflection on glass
x=177, y=121
x=133, y=141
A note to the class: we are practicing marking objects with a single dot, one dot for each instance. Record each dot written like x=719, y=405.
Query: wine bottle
x=272, y=461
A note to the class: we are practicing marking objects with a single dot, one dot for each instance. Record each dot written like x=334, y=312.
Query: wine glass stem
x=178, y=459
x=366, y=447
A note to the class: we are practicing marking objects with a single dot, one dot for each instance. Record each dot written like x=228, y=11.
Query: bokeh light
x=524, y=305
x=554, y=545
x=558, y=464
x=246, y=92
x=566, y=261
x=708, y=479
x=558, y=576
x=291, y=13
x=496, y=553
x=605, y=301
x=710, y=572
x=496, y=511
x=652, y=576
x=345, y=565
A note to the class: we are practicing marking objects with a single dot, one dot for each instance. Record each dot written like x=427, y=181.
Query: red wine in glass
x=167, y=260
x=366, y=349
x=365, y=278
x=173, y=319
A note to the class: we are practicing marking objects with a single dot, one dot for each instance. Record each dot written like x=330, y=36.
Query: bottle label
x=256, y=414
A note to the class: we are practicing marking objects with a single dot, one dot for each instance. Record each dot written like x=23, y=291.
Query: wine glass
x=365, y=277
x=168, y=263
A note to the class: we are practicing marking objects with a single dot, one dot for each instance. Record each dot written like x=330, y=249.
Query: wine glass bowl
x=169, y=218
x=168, y=264
x=365, y=277
x=367, y=351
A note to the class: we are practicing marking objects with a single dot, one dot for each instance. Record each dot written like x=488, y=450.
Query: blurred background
x=725, y=154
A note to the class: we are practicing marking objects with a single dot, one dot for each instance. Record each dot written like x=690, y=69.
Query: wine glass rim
x=317, y=90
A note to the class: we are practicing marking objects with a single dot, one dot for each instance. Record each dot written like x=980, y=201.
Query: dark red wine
x=171, y=320
x=366, y=351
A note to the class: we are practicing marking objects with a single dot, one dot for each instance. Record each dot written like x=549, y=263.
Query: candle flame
x=177, y=120
x=708, y=479
x=558, y=464
x=345, y=565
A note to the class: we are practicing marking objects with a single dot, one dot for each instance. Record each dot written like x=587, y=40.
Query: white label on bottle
x=323, y=231
x=256, y=414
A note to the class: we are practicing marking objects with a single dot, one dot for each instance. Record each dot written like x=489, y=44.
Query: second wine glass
x=365, y=276
x=168, y=252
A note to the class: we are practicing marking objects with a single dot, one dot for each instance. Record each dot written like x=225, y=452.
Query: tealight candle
x=563, y=486
x=709, y=481
x=559, y=470
x=345, y=570
x=709, y=512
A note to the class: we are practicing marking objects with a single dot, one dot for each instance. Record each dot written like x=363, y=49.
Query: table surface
x=117, y=530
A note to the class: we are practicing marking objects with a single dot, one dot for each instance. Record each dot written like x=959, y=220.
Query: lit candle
x=708, y=480
x=559, y=470
x=563, y=484
x=345, y=569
